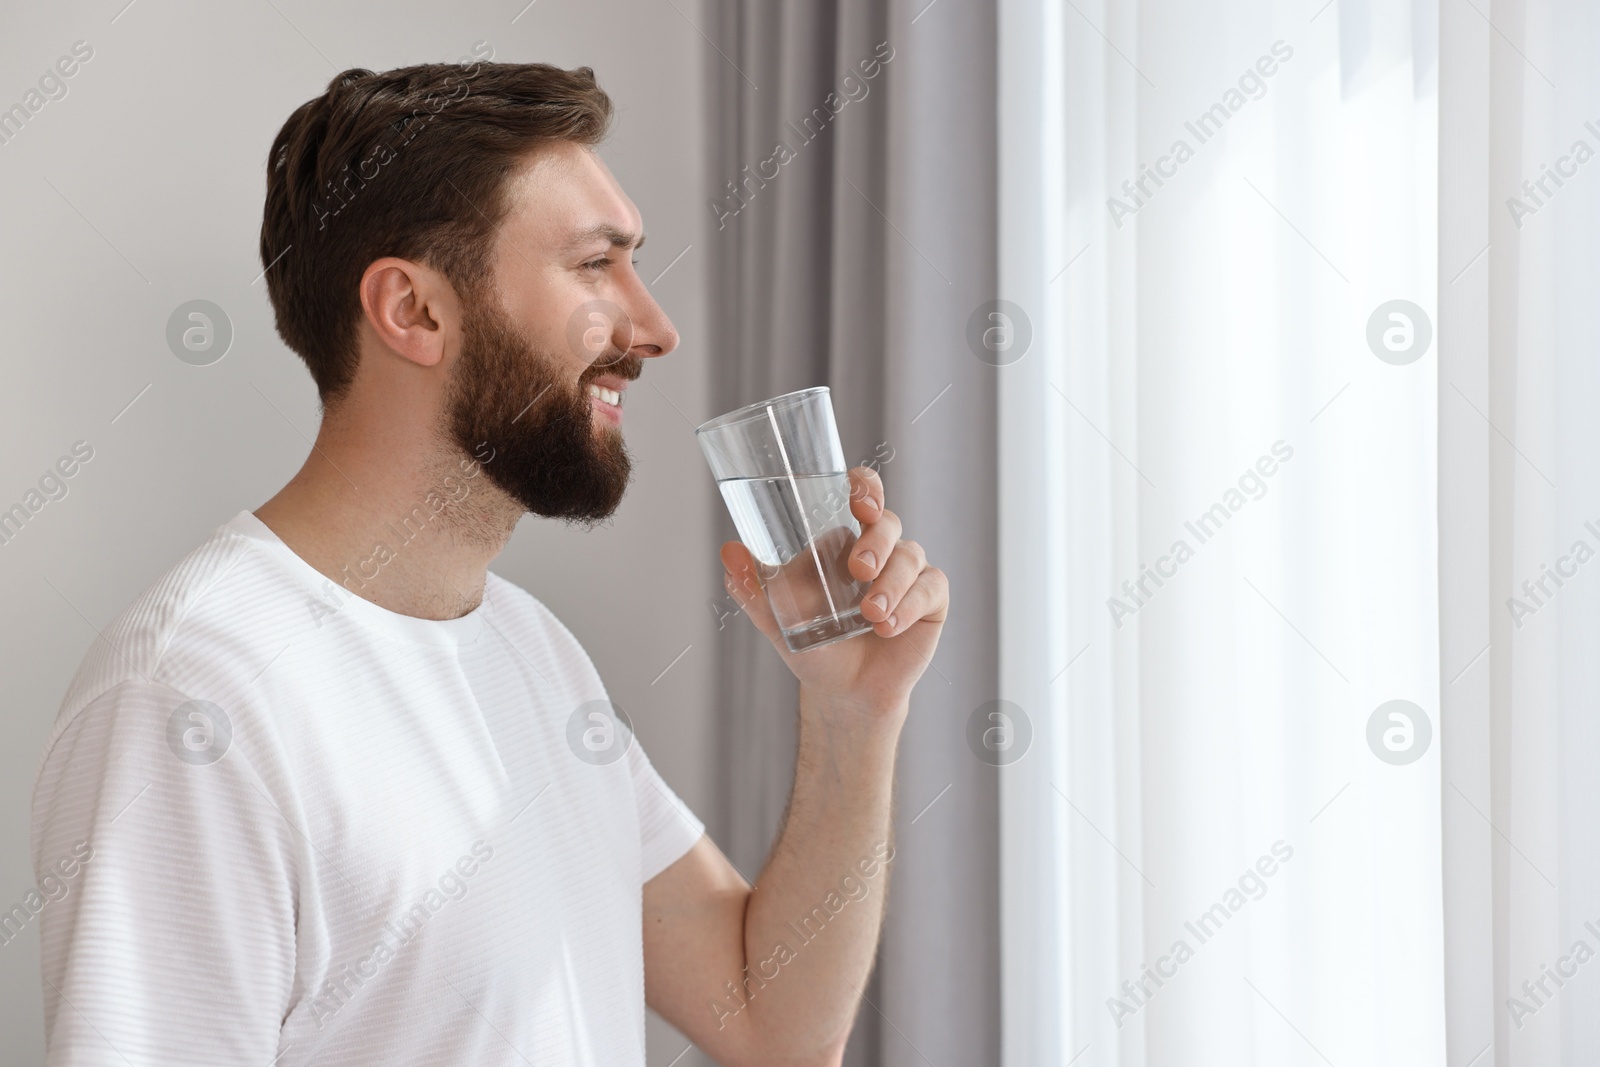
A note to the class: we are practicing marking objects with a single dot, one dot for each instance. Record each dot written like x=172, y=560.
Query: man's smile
x=605, y=395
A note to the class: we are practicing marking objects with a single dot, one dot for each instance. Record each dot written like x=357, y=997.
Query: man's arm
x=772, y=974
x=169, y=934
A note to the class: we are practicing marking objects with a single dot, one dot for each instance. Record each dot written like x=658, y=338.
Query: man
x=330, y=791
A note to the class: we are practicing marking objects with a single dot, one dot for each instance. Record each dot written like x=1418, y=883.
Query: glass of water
x=781, y=471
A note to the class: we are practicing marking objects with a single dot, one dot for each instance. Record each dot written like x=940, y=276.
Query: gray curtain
x=854, y=260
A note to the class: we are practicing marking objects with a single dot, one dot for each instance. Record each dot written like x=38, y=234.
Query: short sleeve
x=167, y=925
x=667, y=828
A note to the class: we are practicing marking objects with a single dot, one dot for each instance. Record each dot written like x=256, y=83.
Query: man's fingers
x=743, y=582
x=871, y=552
x=866, y=494
x=928, y=598
x=899, y=574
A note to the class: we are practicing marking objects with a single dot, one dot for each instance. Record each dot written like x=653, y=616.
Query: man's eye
x=602, y=263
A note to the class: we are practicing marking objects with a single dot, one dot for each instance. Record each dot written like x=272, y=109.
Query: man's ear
x=410, y=308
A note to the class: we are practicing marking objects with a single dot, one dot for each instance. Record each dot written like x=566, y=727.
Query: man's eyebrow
x=617, y=238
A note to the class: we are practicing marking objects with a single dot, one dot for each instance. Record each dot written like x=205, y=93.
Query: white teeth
x=610, y=396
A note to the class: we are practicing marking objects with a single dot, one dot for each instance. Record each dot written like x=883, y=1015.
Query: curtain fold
x=1519, y=513
x=852, y=231
x=1467, y=618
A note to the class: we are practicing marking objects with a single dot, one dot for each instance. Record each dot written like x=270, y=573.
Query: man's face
x=551, y=344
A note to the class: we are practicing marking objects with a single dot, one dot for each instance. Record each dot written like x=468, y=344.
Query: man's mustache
x=624, y=365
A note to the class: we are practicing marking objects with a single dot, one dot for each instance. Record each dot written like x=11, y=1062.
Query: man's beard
x=546, y=453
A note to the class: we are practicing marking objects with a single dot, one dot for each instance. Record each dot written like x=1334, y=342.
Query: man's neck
x=406, y=528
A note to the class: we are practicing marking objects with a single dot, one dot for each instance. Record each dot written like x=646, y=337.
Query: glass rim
x=752, y=411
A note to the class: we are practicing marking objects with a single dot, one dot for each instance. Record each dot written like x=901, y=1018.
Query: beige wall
x=141, y=189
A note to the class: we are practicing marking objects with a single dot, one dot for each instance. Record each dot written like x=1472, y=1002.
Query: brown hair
x=410, y=163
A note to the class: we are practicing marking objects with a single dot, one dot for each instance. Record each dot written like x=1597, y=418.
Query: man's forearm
x=813, y=919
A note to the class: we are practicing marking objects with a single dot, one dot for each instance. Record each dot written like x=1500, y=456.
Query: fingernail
x=890, y=622
x=880, y=602
x=869, y=557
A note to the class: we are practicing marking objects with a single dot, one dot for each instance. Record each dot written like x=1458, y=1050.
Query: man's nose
x=653, y=333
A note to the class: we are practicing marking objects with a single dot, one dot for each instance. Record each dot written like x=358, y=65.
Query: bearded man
x=332, y=792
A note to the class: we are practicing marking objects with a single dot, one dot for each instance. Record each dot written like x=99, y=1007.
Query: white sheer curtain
x=1518, y=493
x=1205, y=343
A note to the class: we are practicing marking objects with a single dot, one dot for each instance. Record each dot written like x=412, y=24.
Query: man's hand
x=906, y=603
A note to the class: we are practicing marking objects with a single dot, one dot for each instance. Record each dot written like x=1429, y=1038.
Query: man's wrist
x=855, y=716
x=850, y=746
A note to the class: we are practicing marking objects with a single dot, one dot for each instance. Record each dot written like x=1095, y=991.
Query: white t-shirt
x=278, y=824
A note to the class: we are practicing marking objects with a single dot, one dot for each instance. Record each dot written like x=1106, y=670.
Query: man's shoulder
x=191, y=608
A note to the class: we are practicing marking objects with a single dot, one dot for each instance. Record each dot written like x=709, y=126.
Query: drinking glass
x=782, y=474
